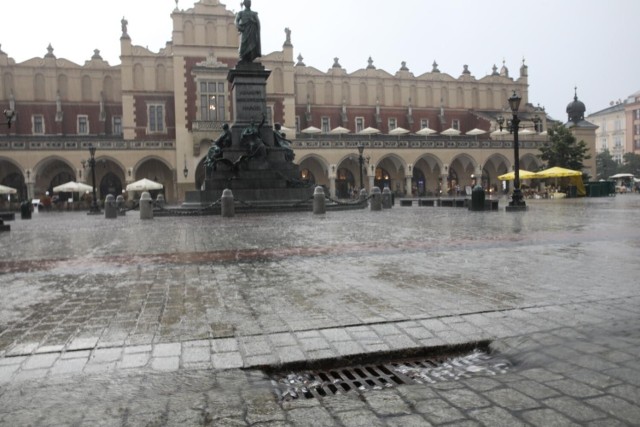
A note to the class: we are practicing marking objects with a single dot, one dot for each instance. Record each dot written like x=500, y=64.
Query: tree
x=563, y=150
x=631, y=163
x=606, y=165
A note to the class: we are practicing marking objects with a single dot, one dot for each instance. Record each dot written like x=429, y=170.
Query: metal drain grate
x=363, y=378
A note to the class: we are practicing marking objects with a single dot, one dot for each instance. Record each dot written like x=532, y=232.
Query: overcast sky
x=591, y=44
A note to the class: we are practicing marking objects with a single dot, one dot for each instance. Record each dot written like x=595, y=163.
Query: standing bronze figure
x=248, y=25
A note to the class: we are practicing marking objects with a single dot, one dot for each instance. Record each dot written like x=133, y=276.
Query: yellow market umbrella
x=512, y=175
x=575, y=177
x=557, y=172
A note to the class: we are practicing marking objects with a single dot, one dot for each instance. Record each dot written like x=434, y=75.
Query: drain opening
x=310, y=384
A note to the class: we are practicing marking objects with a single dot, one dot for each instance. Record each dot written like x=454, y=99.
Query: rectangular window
x=618, y=142
x=638, y=129
x=117, y=125
x=603, y=143
x=455, y=124
x=637, y=114
x=424, y=123
x=604, y=126
x=326, y=124
x=297, y=125
x=359, y=124
x=156, y=118
x=83, y=125
x=37, y=124
x=212, y=101
x=393, y=123
x=618, y=125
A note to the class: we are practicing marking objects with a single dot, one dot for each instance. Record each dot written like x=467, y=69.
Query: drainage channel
x=316, y=384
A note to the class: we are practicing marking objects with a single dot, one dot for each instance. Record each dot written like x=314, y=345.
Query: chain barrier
x=206, y=209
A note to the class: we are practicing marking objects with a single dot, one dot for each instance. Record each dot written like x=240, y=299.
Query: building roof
x=612, y=109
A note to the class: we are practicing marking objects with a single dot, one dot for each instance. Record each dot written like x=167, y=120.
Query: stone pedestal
x=264, y=176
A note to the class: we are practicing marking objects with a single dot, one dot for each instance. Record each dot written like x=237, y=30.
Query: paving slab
x=167, y=320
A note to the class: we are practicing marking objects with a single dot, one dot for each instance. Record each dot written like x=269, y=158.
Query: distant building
x=154, y=115
x=610, y=134
x=632, y=115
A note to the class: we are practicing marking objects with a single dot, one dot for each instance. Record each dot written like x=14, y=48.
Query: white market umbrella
x=399, y=131
x=450, y=132
x=426, y=132
x=476, y=132
x=311, y=130
x=339, y=131
x=621, y=175
x=369, y=131
x=144, y=185
x=526, y=132
x=72, y=187
x=285, y=129
x=543, y=133
x=7, y=190
x=500, y=132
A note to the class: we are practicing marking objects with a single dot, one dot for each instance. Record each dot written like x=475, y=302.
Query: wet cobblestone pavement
x=166, y=322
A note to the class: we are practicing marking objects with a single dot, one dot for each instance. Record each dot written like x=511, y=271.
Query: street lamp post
x=361, y=162
x=517, y=201
x=94, y=208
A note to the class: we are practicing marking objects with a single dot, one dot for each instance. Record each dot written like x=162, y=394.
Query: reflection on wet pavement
x=143, y=304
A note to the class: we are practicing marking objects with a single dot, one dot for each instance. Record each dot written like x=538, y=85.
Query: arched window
x=86, y=88
x=278, y=80
x=397, y=97
x=459, y=98
x=7, y=80
x=364, y=94
x=107, y=88
x=429, y=96
x=445, y=97
x=161, y=78
x=380, y=93
x=63, y=87
x=138, y=77
x=328, y=93
x=189, y=33
x=39, y=90
x=210, y=34
x=414, y=95
x=475, y=98
x=346, y=92
x=311, y=91
x=490, y=101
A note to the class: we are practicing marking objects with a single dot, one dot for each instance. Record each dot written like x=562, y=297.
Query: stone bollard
x=376, y=199
x=25, y=210
x=477, y=199
x=319, y=202
x=110, y=210
x=120, y=205
x=363, y=195
x=146, y=206
x=160, y=201
x=387, y=200
x=227, y=206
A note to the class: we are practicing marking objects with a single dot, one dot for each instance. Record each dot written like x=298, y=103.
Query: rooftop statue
x=249, y=26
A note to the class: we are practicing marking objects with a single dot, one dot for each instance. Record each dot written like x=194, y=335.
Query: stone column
x=332, y=181
x=444, y=188
x=408, y=186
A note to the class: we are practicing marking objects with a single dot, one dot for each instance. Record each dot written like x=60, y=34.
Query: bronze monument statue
x=248, y=25
x=215, y=152
x=280, y=140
